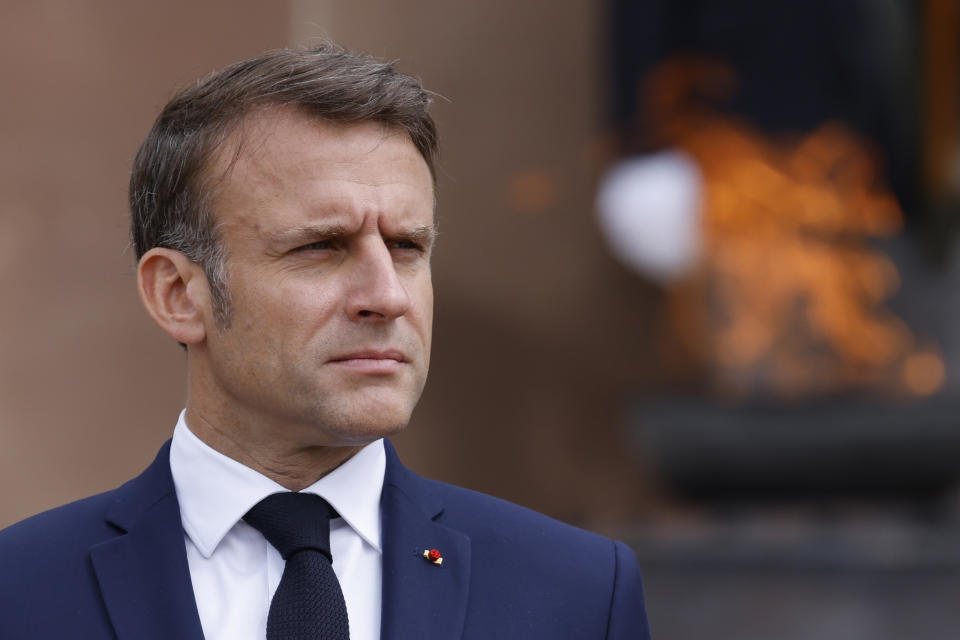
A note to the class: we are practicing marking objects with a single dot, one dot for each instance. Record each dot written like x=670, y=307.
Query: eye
x=319, y=245
x=408, y=250
x=406, y=244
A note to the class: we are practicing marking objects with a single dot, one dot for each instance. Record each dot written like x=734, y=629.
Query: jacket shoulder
x=86, y=521
x=47, y=583
x=47, y=579
x=587, y=584
x=79, y=523
x=483, y=515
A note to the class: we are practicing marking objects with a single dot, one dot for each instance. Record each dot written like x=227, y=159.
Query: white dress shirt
x=235, y=571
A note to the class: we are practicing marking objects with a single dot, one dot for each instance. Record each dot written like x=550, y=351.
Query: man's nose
x=376, y=290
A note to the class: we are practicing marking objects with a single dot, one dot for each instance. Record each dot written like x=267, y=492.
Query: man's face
x=328, y=230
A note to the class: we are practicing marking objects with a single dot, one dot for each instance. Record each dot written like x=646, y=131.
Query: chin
x=353, y=435
x=362, y=425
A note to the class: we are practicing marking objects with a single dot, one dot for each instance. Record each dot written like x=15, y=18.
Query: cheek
x=284, y=307
x=305, y=310
x=422, y=305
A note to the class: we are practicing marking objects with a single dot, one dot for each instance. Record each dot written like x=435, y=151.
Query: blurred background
x=697, y=285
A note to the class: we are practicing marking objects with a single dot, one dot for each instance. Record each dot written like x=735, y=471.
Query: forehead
x=281, y=165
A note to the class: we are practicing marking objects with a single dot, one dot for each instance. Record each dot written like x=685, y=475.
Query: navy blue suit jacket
x=114, y=566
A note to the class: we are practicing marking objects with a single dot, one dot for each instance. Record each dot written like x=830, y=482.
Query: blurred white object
x=649, y=211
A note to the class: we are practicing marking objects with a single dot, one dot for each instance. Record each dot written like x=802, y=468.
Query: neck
x=293, y=466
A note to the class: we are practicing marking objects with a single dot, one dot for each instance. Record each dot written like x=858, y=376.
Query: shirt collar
x=215, y=491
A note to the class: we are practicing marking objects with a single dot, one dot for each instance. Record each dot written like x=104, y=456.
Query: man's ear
x=176, y=294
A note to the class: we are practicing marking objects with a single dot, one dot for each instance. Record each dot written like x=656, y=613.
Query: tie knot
x=293, y=522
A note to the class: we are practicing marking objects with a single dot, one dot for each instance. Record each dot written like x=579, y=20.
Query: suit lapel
x=420, y=599
x=143, y=573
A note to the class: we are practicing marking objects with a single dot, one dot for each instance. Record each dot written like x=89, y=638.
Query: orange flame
x=790, y=294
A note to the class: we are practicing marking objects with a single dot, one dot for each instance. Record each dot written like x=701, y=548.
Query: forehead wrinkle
x=246, y=154
x=375, y=200
x=263, y=128
x=245, y=139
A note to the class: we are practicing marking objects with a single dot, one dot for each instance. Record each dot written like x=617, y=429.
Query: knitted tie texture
x=308, y=603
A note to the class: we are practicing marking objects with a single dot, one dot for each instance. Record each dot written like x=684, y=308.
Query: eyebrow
x=301, y=233
x=307, y=232
x=425, y=234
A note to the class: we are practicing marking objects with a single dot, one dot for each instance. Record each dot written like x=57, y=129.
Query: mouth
x=371, y=361
x=371, y=354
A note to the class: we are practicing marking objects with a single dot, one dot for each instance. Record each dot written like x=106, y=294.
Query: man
x=283, y=217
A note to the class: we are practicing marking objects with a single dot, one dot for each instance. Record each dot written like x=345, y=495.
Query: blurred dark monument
x=835, y=513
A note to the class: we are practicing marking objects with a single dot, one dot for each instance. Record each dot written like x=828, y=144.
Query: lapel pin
x=433, y=556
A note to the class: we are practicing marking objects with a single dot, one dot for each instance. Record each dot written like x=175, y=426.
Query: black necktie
x=308, y=603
